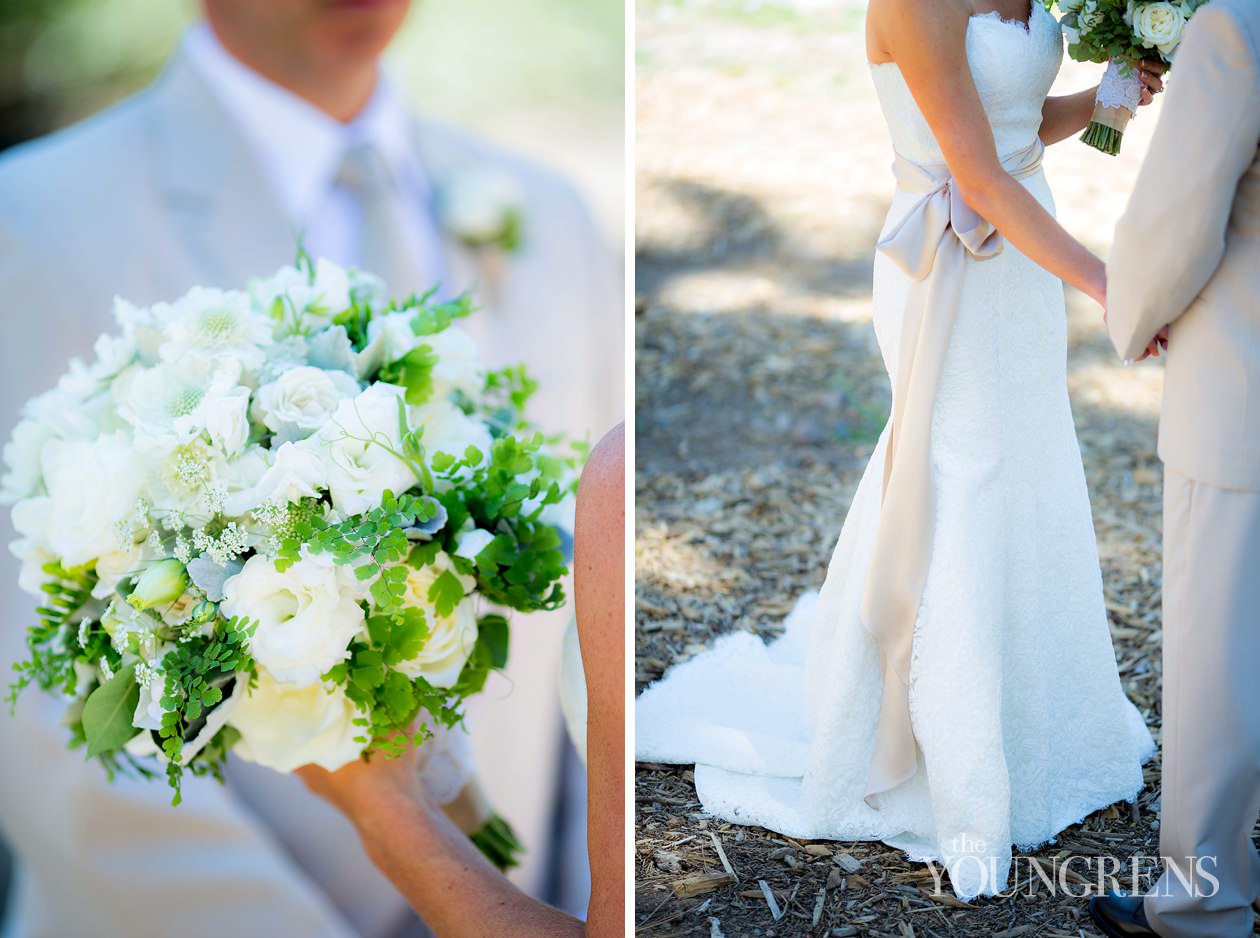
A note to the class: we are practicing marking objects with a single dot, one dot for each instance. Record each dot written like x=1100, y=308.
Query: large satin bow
x=932, y=244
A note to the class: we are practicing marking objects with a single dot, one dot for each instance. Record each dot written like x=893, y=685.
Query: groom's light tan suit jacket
x=144, y=201
x=1187, y=253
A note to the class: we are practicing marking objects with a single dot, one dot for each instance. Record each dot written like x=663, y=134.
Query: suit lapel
x=219, y=205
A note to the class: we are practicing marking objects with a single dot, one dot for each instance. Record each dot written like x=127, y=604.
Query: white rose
x=284, y=727
x=301, y=400
x=296, y=472
x=1089, y=17
x=1159, y=25
x=305, y=616
x=447, y=429
x=459, y=365
x=451, y=638
x=92, y=485
x=357, y=447
x=306, y=300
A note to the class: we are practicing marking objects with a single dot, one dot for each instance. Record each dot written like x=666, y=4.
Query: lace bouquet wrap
x=274, y=521
x=1120, y=33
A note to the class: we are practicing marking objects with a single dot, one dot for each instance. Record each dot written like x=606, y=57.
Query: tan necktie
x=387, y=245
x=932, y=244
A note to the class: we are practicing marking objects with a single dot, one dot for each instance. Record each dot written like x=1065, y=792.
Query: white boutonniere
x=483, y=209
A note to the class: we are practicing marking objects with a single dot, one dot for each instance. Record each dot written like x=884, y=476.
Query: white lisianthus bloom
x=32, y=556
x=451, y=638
x=447, y=429
x=1159, y=25
x=305, y=616
x=306, y=301
x=296, y=472
x=226, y=418
x=92, y=486
x=459, y=366
x=302, y=400
x=390, y=337
x=210, y=323
x=284, y=727
x=23, y=476
x=358, y=447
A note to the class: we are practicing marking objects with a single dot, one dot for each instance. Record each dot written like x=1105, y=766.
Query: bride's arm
x=1064, y=116
x=927, y=39
x=599, y=597
x=433, y=864
x=455, y=889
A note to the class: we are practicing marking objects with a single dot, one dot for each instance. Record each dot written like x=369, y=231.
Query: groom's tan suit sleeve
x=1187, y=250
x=1187, y=253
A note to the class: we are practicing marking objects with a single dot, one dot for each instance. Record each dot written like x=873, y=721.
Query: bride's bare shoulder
x=896, y=24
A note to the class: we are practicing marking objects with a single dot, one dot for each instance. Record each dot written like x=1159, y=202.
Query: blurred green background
x=542, y=76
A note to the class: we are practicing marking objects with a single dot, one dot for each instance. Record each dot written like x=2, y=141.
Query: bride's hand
x=365, y=784
x=1150, y=72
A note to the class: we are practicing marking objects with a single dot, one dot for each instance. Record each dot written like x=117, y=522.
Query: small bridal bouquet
x=1121, y=32
x=270, y=521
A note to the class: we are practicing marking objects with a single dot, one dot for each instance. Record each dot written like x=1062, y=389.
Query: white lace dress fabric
x=1022, y=724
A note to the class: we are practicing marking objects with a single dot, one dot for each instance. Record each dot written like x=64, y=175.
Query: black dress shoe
x=1120, y=916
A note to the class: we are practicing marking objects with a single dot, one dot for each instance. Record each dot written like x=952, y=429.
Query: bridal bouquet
x=267, y=521
x=1121, y=32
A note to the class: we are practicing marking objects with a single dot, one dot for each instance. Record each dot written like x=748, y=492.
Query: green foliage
x=414, y=371
x=197, y=671
x=506, y=395
x=489, y=654
x=108, y=712
x=498, y=842
x=51, y=642
x=521, y=567
x=374, y=543
x=431, y=318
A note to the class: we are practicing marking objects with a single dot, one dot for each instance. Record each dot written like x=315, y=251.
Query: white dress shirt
x=300, y=150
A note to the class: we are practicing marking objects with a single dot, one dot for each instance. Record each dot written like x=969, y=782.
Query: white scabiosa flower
x=305, y=616
x=452, y=637
x=209, y=323
x=285, y=727
x=180, y=399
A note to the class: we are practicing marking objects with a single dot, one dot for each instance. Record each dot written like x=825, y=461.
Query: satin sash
x=932, y=244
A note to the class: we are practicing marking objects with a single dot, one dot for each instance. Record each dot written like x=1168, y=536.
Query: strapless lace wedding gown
x=1015, y=700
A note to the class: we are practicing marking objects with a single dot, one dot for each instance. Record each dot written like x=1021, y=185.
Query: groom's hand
x=1150, y=72
x=1160, y=342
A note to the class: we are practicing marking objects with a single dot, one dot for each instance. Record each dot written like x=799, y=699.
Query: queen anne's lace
x=1017, y=706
